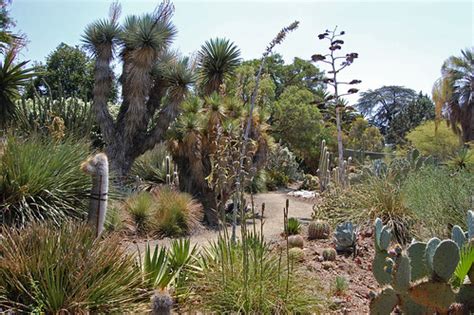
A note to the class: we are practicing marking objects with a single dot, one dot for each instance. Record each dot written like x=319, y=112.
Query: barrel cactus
x=295, y=241
x=329, y=254
x=318, y=229
x=296, y=254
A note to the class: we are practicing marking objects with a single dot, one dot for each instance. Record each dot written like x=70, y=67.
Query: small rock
x=327, y=265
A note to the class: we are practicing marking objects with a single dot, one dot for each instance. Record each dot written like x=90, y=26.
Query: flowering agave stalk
x=332, y=60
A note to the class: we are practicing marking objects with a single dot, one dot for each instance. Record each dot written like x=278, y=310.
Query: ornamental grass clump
x=175, y=213
x=48, y=269
x=41, y=180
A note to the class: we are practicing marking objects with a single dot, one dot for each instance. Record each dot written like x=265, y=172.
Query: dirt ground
x=357, y=271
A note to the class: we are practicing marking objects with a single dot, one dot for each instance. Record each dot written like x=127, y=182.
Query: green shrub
x=340, y=286
x=294, y=226
x=223, y=287
x=439, y=198
x=441, y=144
x=40, y=179
x=281, y=167
x=175, y=213
x=140, y=207
x=151, y=166
x=66, y=270
x=376, y=196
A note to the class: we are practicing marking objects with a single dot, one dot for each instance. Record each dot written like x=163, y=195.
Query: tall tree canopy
x=453, y=93
x=381, y=105
x=418, y=111
x=299, y=73
x=68, y=72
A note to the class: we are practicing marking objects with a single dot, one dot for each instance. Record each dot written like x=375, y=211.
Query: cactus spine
x=98, y=167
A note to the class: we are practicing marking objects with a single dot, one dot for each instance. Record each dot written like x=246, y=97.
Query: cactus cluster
x=324, y=172
x=417, y=279
x=342, y=180
x=345, y=237
x=318, y=229
x=172, y=177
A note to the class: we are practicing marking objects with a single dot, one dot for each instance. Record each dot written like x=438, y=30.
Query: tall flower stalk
x=332, y=79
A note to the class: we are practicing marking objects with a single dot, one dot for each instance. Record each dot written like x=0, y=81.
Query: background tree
x=298, y=125
x=420, y=110
x=440, y=142
x=453, y=93
x=8, y=39
x=333, y=37
x=364, y=137
x=300, y=72
x=382, y=105
x=68, y=72
x=154, y=82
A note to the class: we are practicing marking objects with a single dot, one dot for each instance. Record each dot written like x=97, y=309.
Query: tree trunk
x=340, y=148
x=467, y=124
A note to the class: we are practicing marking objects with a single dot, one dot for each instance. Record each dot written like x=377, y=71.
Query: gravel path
x=273, y=219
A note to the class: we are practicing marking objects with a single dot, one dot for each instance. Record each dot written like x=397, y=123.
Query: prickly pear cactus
x=417, y=280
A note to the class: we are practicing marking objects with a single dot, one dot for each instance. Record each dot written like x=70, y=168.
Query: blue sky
x=399, y=42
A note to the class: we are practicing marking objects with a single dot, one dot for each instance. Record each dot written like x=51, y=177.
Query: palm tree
x=218, y=58
x=453, y=93
x=154, y=81
x=12, y=78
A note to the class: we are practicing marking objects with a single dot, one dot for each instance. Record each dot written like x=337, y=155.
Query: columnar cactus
x=318, y=229
x=418, y=279
x=98, y=167
x=324, y=172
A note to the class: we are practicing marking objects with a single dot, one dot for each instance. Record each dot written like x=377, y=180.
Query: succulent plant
x=296, y=254
x=345, y=237
x=294, y=226
x=329, y=254
x=417, y=279
x=98, y=168
x=324, y=172
x=161, y=303
x=318, y=229
x=295, y=241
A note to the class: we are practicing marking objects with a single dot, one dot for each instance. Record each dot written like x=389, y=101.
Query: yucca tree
x=218, y=58
x=154, y=81
x=13, y=76
x=453, y=93
x=195, y=146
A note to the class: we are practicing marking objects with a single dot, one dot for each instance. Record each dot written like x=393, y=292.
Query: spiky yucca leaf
x=466, y=261
x=217, y=60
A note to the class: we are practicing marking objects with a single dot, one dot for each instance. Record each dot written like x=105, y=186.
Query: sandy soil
x=273, y=219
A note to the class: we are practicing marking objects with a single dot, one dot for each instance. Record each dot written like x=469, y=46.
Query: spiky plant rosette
x=41, y=180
